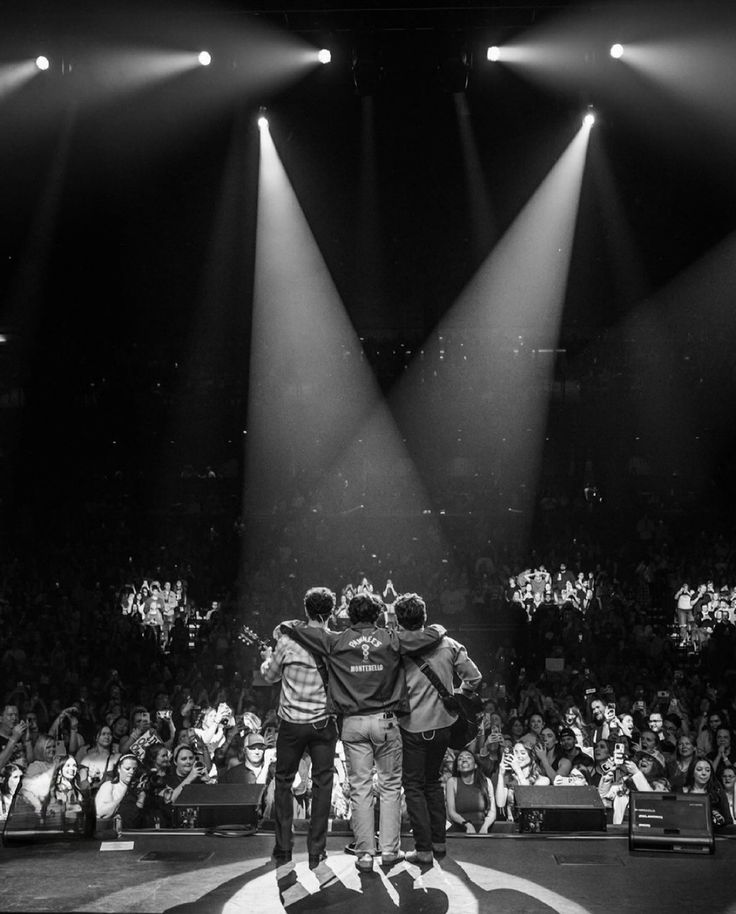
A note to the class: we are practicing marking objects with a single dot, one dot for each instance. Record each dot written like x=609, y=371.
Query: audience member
x=123, y=795
x=10, y=778
x=518, y=768
x=704, y=780
x=471, y=804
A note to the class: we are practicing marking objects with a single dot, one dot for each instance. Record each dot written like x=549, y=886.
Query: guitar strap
x=432, y=676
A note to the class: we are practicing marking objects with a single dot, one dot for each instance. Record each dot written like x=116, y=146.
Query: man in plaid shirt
x=305, y=725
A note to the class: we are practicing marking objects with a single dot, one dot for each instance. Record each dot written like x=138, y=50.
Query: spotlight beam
x=511, y=306
x=14, y=75
x=314, y=405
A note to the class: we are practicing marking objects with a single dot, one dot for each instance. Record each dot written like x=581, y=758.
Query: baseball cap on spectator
x=254, y=740
x=567, y=731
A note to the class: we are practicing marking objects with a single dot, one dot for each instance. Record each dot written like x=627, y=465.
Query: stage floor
x=200, y=874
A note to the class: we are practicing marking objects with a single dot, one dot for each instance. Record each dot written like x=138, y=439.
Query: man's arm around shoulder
x=312, y=637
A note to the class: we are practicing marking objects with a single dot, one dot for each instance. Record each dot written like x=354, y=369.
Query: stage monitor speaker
x=222, y=804
x=671, y=822
x=50, y=821
x=559, y=809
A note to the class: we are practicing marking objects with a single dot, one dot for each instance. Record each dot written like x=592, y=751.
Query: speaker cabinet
x=678, y=823
x=559, y=809
x=55, y=821
x=221, y=804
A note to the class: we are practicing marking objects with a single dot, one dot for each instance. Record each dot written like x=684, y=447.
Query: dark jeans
x=292, y=742
x=425, y=796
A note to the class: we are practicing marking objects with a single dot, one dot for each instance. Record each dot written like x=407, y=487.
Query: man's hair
x=319, y=603
x=365, y=607
x=411, y=611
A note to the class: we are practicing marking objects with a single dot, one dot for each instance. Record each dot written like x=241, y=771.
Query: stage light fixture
x=324, y=56
x=617, y=51
x=43, y=63
x=205, y=58
x=589, y=118
x=494, y=53
x=262, y=119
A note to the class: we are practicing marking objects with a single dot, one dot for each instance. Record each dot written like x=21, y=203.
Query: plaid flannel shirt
x=303, y=698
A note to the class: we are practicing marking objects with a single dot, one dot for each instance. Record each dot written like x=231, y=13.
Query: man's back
x=366, y=674
x=448, y=660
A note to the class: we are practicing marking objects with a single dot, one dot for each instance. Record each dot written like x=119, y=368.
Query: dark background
x=128, y=230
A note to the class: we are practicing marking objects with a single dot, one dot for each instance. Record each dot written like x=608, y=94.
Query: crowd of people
x=124, y=680
x=629, y=708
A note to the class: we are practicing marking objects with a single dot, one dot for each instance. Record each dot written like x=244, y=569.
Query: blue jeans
x=374, y=740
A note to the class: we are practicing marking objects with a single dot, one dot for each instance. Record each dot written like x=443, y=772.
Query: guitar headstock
x=248, y=636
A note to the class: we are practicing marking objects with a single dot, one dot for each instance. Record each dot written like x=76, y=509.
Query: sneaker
x=365, y=863
x=391, y=859
x=423, y=858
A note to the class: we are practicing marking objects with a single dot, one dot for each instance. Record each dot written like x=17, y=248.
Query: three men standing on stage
x=367, y=688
